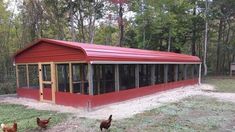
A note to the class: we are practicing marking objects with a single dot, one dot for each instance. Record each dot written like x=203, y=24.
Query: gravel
x=127, y=108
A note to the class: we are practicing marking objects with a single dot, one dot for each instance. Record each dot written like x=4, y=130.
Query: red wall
x=79, y=100
x=45, y=52
x=69, y=99
x=28, y=93
x=47, y=94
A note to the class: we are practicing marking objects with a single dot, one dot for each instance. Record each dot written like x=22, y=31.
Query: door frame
x=52, y=82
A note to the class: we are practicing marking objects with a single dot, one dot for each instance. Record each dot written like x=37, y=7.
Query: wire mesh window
x=22, y=76
x=159, y=73
x=33, y=76
x=190, y=71
x=171, y=73
x=104, y=79
x=145, y=75
x=196, y=71
x=127, y=76
x=79, y=78
x=181, y=72
x=46, y=75
x=63, y=77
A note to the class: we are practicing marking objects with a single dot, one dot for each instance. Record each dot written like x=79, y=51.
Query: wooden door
x=45, y=82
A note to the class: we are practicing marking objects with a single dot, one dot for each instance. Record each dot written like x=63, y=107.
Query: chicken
x=106, y=123
x=43, y=123
x=6, y=128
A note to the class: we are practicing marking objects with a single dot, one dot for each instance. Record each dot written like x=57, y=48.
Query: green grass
x=222, y=84
x=26, y=118
x=197, y=113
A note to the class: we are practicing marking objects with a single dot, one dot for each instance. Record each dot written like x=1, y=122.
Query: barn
x=89, y=75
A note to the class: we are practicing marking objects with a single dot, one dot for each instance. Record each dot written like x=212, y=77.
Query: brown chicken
x=6, y=128
x=106, y=123
x=43, y=123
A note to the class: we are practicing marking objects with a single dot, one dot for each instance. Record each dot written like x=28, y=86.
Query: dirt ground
x=120, y=110
x=128, y=108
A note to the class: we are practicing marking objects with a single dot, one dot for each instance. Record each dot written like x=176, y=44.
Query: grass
x=26, y=118
x=198, y=113
x=222, y=84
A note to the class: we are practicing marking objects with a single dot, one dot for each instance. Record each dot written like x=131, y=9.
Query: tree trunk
x=169, y=40
x=194, y=33
x=205, y=42
x=72, y=31
x=218, y=46
x=121, y=26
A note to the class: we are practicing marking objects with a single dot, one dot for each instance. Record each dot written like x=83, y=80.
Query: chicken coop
x=89, y=75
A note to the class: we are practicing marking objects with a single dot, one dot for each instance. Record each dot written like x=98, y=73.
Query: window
x=196, y=71
x=181, y=72
x=79, y=78
x=22, y=76
x=127, y=76
x=63, y=77
x=190, y=71
x=171, y=73
x=33, y=76
x=145, y=75
x=104, y=79
x=46, y=75
x=159, y=73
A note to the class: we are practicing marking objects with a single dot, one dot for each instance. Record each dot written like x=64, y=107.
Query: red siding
x=69, y=99
x=47, y=94
x=45, y=52
x=79, y=100
x=28, y=93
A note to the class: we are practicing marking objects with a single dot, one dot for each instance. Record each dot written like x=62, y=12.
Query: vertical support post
x=27, y=74
x=117, y=84
x=40, y=80
x=17, y=76
x=199, y=71
x=176, y=72
x=165, y=73
x=137, y=76
x=185, y=71
x=53, y=81
x=90, y=78
x=153, y=77
x=70, y=78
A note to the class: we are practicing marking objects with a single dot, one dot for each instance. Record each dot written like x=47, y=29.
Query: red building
x=88, y=75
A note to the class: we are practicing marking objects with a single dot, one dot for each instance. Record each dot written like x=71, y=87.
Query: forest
x=204, y=28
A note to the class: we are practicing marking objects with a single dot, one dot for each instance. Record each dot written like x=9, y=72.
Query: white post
x=199, y=78
x=165, y=73
x=153, y=78
x=137, y=76
x=117, y=78
x=90, y=78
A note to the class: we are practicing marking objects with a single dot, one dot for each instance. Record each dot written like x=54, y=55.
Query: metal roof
x=95, y=53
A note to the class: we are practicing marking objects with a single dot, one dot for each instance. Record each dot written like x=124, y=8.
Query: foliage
x=166, y=25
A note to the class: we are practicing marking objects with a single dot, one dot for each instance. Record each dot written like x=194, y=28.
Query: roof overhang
x=140, y=62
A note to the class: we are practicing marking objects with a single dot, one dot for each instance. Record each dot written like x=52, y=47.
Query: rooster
x=6, y=128
x=43, y=123
x=106, y=123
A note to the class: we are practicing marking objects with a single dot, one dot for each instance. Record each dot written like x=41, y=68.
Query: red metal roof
x=95, y=52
